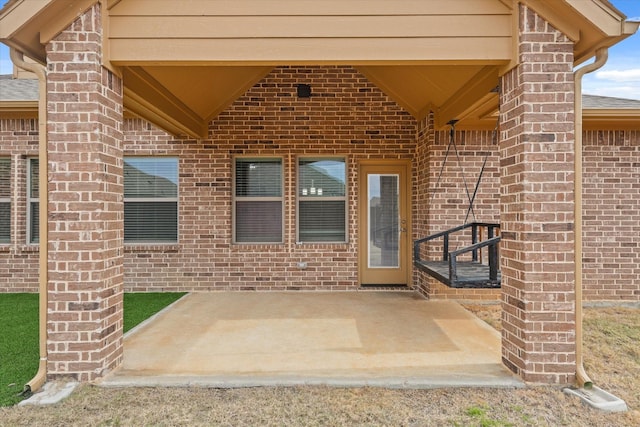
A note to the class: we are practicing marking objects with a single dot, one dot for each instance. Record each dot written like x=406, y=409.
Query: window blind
x=33, y=207
x=151, y=199
x=322, y=200
x=5, y=200
x=258, y=200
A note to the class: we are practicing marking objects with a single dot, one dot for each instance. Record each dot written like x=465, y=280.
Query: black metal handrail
x=491, y=233
x=451, y=257
x=492, y=244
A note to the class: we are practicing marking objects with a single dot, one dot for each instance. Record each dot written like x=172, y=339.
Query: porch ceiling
x=183, y=99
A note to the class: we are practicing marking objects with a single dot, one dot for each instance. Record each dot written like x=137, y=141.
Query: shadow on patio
x=390, y=339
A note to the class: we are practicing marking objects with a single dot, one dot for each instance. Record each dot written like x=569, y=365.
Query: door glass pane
x=383, y=195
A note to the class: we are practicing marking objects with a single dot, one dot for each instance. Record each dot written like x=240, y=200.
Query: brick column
x=85, y=176
x=537, y=253
x=421, y=225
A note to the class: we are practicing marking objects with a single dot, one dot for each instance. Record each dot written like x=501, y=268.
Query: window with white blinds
x=33, y=201
x=150, y=200
x=5, y=200
x=322, y=212
x=258, y=200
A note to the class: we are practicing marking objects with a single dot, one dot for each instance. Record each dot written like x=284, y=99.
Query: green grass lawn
x=138, y=307
x=19, y=343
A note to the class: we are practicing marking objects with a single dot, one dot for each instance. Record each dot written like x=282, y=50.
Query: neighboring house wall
x=611, y=215
x=18, y=260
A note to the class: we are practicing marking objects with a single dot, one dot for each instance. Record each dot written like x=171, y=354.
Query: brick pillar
x=421, y=227
x=85, y=176
x=537, y=253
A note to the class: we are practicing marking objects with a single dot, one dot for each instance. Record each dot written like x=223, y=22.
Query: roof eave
x=27, y=25
x=18, y=109
x=629, y=28
x=611, y=119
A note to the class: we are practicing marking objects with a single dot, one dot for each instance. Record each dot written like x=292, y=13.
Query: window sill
x=153, y=247
x=8, y=247
x=323, y=245
x=241, y=247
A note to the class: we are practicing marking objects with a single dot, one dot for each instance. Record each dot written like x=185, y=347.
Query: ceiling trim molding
x=242, y=89
x=143, y=94
x=475, y=89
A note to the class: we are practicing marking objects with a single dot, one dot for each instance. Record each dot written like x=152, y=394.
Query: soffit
x=426, y=55
x=447, y=90
x=207, y=91
x=28, y=25
x=590, y=24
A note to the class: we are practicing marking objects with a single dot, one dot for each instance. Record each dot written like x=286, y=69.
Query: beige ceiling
x=197, y=94
x=207, y=90
x=183, y=99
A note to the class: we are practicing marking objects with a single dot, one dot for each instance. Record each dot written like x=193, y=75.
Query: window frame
x=235, y=199
x=7, y=199
x=301, y=198
x=175, y=199
x=30, y=201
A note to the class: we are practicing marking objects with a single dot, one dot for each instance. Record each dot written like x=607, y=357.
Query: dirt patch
x=612, y=359
x=490, y=313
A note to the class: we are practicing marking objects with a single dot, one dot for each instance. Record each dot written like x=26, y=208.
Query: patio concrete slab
x=390, y=339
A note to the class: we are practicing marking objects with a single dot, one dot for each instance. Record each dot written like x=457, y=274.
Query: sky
x=619, y=78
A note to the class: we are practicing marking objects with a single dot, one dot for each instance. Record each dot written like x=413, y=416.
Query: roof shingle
x=27, y=90
x=18, y=89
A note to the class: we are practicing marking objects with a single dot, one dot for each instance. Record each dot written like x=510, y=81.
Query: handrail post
x=493, y=262
x=453, y=271
x=474, y=240
x=445, y=247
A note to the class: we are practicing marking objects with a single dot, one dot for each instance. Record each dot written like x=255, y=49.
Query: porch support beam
x=474, y=90
x=537, y=127
x=86, y=213
x=148, y=98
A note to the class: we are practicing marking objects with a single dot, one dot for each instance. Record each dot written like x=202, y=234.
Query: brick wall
x=85, y=204
x=536, y=159
x=611, y=204
x=198, y=263
x=18, y=260
x=425, y=142
x=442, y=200
x=347, y=115
x=451, y=188
x=611, y=216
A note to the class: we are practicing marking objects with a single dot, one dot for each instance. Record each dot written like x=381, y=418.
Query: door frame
x=362, y=206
